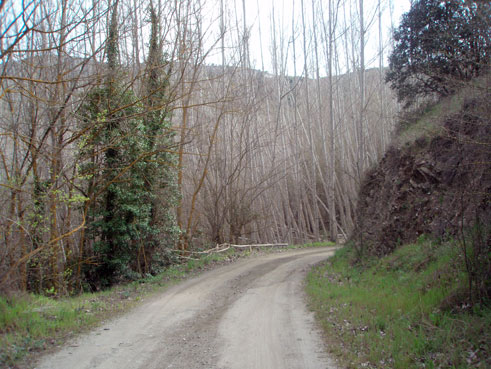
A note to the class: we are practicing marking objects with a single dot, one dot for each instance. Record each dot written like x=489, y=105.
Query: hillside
x=436, y=177
x=412, y=288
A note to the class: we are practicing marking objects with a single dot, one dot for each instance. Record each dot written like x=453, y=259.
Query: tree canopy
x=437, y=44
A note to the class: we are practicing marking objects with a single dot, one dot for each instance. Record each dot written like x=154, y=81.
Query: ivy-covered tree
x=160, y=174
x=437, y=44
x=115, y=168
x=128, y=167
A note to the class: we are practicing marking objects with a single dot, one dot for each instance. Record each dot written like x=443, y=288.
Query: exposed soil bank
x=434, y=183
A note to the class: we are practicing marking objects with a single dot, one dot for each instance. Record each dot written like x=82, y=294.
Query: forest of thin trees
x=133, y=131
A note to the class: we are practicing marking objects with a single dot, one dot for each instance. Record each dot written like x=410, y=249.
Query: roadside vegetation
x=406, y=310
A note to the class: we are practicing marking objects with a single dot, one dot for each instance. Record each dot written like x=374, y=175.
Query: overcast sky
x=259, y=17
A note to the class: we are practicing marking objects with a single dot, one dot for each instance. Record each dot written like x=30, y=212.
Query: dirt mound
x=431, y=185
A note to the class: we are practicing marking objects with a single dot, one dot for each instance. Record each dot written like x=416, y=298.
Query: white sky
x=259, y=16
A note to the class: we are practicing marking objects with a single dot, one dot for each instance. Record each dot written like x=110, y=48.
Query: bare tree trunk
x=313, y=170
x=361, y=108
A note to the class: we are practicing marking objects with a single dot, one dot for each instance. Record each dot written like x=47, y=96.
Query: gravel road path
x=247, y=315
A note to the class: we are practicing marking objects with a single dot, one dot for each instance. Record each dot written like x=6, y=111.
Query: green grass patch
x=426, y=121
x=426, y=126
x=397, y=312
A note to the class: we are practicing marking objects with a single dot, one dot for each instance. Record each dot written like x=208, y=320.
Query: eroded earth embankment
x=439, y=183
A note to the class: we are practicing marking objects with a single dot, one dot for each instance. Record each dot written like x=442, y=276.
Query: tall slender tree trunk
x=332, y=151
x=361, y=108
x=313, y=167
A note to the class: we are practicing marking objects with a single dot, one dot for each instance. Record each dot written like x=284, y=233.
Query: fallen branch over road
x=226, y=246
x=260, y=245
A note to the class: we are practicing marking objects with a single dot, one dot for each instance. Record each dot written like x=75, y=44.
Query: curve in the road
x=250, y=314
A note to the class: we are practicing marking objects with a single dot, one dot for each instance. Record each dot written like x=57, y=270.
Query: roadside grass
x=400, y=311
x=30, y=324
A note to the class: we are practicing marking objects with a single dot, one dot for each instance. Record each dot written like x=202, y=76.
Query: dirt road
x=250, y=314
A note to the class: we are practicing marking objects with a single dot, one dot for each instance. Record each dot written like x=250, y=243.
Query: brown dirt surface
x=250, y=314
x=431, y=185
